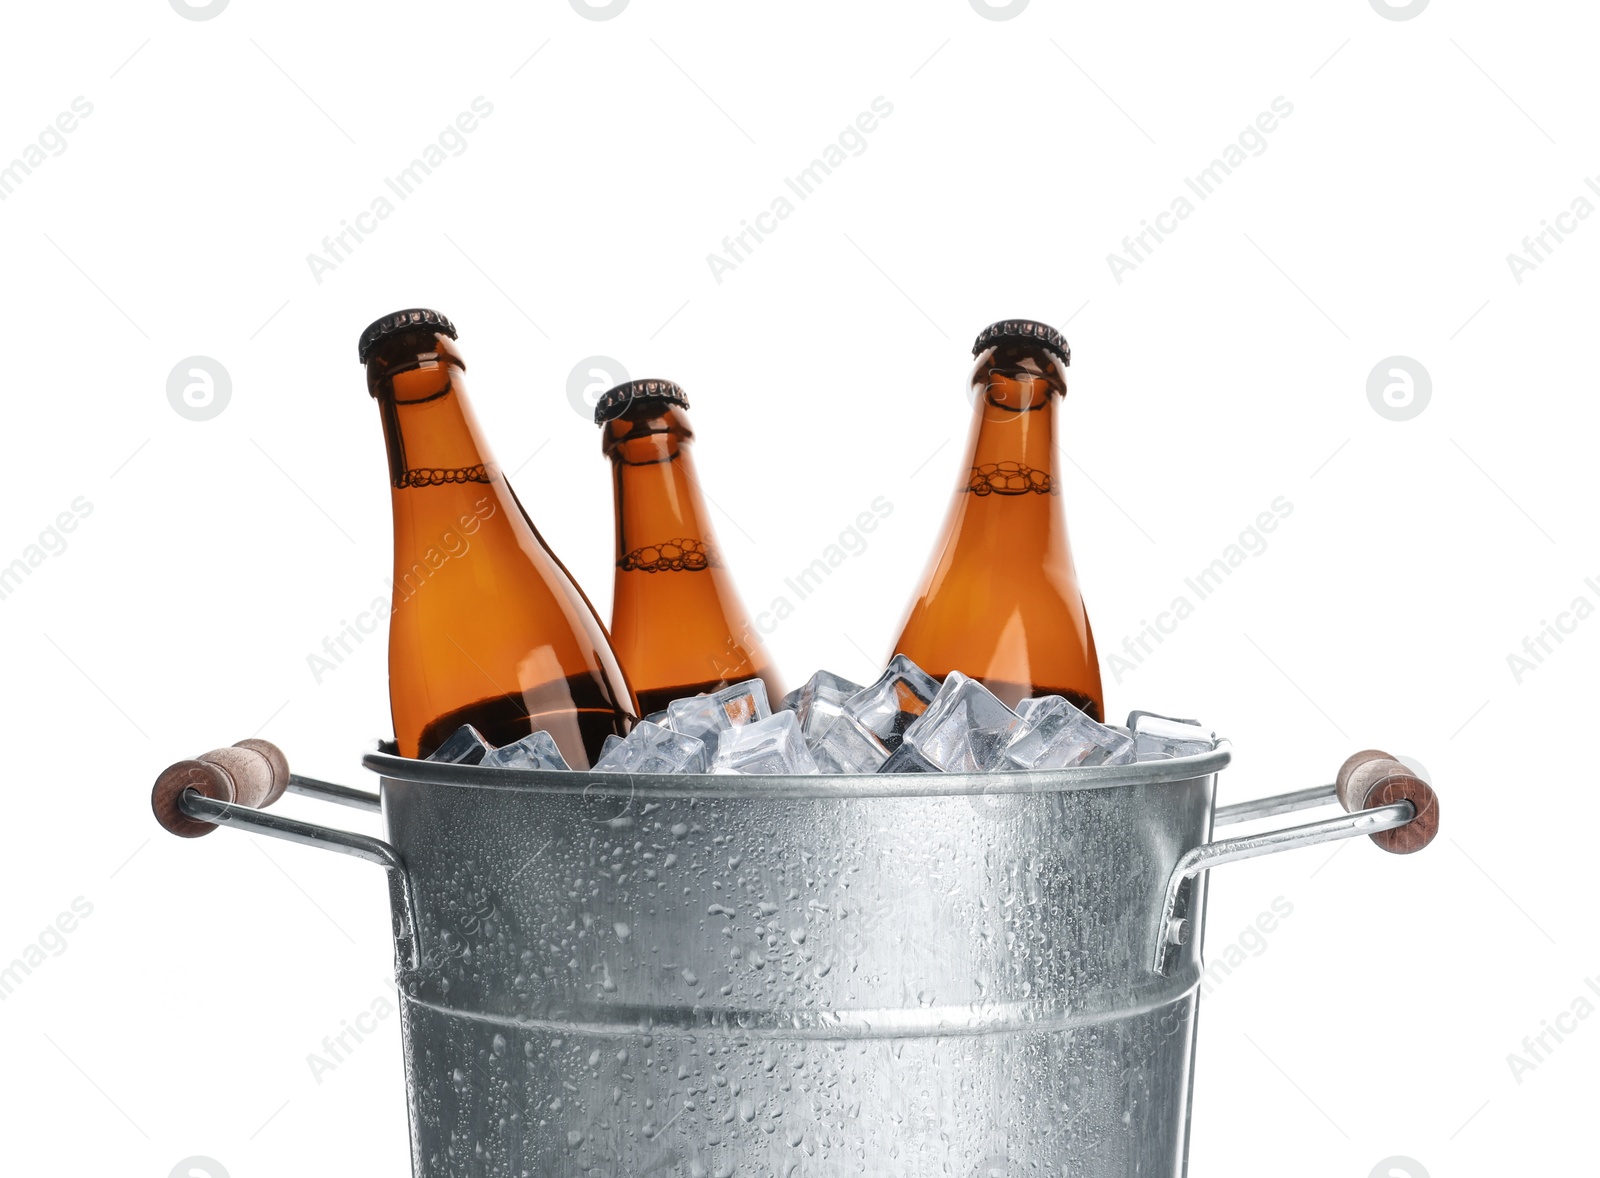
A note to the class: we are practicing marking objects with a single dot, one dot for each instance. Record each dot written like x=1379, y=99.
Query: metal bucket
x=718, y=975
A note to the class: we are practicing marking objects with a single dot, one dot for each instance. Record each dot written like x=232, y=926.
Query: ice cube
x=650, y=748
x=1026, y=707
x=657, y=717
x=906, y=759
x=1057, y=735
x=818, y=704
x=892, y=704
x=1163, y=738
x=965, y=729
x=466, y=746
x=819, y=701
x=704, y=716
x=770, y=745
x=535, y=751
x=846, y=747
x=614, y=754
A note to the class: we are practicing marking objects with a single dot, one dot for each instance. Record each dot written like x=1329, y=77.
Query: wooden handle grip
x=1373, y=778
x=251, y=773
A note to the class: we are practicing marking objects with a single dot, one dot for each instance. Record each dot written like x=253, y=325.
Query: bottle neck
x=658, y=499
x=1011, y=452
x=429, y=429
x=444, y=484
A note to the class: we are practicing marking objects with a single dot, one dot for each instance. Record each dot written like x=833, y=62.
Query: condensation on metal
x=723, y=975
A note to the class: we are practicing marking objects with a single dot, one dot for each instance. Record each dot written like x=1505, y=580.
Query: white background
x=1227, y=369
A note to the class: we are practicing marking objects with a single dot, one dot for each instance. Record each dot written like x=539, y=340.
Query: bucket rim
x=381, y=758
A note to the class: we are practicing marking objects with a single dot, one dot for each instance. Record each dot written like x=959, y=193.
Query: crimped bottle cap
x=615, y=402
x=410, y=320
x=1024, y=329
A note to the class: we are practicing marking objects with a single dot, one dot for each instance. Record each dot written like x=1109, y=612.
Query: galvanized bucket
x=722, y=975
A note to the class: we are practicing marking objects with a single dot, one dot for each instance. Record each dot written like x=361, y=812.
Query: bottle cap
x=615, y=402
x=415, y=318
x=1024, y=329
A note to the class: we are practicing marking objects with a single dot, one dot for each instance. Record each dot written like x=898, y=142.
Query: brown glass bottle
x=486, y=628
x=1000, y=599
x=676, y=619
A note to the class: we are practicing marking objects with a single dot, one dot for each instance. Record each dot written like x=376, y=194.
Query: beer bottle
x=1000, y=599
x=676, y=619
x=486, y=627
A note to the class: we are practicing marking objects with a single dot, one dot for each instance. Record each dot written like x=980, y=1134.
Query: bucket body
x=749, y=976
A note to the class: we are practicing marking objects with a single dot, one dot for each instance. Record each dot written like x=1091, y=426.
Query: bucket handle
x=235, y=785
x=1382, y=799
